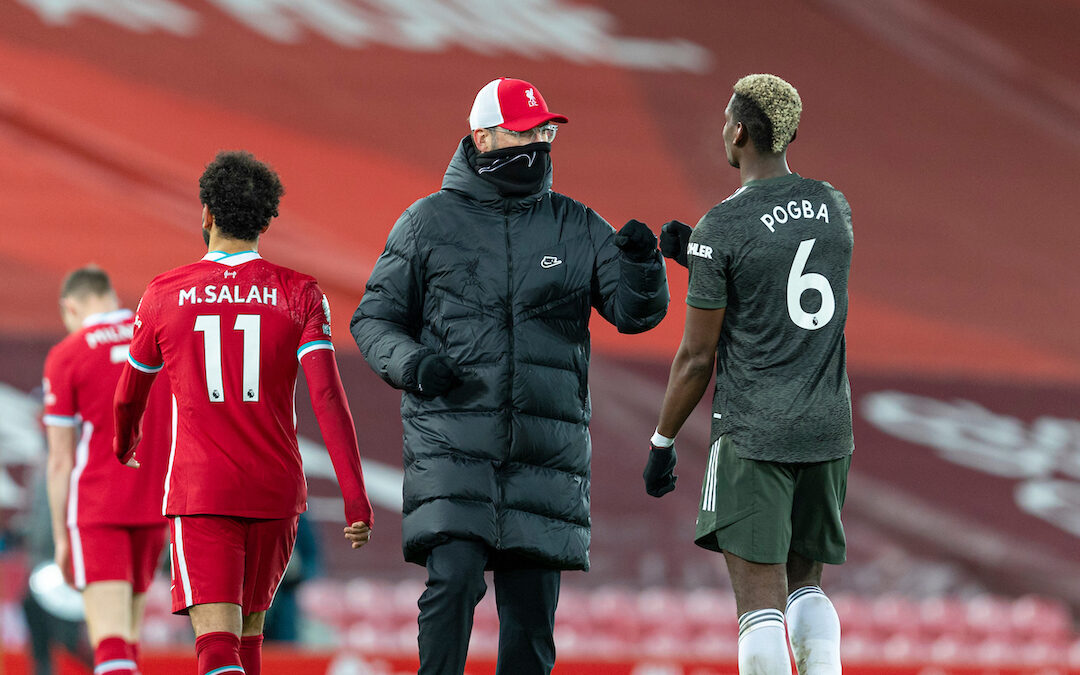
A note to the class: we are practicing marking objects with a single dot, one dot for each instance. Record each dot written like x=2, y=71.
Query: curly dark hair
x=744, y=109
x=241, y=192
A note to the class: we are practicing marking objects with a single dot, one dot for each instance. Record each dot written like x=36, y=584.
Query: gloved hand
x=674, y=238
x=659, y=471
x=435, y=375
x=636, y=241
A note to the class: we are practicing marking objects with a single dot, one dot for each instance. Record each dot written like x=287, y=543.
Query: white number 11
x=210, y=326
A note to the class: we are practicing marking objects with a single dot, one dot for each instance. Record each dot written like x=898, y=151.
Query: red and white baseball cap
x=511, y=104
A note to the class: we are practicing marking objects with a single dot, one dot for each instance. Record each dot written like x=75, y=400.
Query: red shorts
x=115, y=553
x=229, y=559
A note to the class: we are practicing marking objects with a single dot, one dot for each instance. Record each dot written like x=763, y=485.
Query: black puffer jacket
x=504, y=288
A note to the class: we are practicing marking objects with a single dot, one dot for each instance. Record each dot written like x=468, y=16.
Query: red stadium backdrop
x=953, y=126
x=278, y=662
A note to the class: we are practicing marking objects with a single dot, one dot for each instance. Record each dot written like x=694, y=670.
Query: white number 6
x=798, y=283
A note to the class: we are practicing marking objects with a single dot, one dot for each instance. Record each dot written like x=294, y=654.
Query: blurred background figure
x=53, y=609
x=108, y=531
x=284, y=620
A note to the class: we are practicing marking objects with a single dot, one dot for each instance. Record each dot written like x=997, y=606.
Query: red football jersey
x=229, y=331
x=80, y=377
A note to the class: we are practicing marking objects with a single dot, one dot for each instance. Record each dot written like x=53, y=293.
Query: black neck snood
x=516, y=171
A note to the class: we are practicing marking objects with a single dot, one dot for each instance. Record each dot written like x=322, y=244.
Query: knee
x=468, y=587
x=455, y=575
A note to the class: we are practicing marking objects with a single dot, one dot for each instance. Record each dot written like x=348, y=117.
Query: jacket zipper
x=510, y=330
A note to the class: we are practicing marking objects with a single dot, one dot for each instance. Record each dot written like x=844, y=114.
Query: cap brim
x=531, y=121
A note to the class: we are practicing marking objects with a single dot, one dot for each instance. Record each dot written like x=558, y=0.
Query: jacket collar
x=461, y=177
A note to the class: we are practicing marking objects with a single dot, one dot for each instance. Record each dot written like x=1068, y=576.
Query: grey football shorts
x=761, y=510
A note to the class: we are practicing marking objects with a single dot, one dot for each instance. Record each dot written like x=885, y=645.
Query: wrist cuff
x=661, y=441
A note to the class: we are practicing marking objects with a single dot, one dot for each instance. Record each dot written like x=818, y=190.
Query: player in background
x=108, y=531
x=229, y=330
x=767, y=301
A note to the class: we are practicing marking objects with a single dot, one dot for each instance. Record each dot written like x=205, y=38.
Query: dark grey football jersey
x=776, y=255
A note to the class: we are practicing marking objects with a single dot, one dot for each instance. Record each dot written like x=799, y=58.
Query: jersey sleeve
x=144, y=353
x=315, y=333
x=339, y=432
x=60, y=401
x=707, y=288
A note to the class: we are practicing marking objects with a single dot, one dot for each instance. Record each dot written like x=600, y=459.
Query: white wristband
x=662, y=441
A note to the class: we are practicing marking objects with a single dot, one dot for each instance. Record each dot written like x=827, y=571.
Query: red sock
x=134, y=647
x=113, y=657
x=251, y=653
x=218, y=653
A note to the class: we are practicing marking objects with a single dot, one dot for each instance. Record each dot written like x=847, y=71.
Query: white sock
x=762, y=647
x=814, y=630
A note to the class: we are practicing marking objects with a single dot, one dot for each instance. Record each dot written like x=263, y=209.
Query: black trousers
x=525, y=598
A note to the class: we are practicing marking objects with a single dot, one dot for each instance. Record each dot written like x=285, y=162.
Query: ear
x=794, y=134
x=207, y=218
x=482, y=140
x=742, y=135
x=69, y=314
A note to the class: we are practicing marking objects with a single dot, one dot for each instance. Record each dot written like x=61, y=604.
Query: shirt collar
x=232, y=259
x=774, y=179
x=115, y=316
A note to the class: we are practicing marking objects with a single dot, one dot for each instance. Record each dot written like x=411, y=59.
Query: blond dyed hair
x=779, y=102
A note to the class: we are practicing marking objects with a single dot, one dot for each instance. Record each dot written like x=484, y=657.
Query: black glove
x=674, y=238
x=636, y=241
x=658, y=474
x=436, y=375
